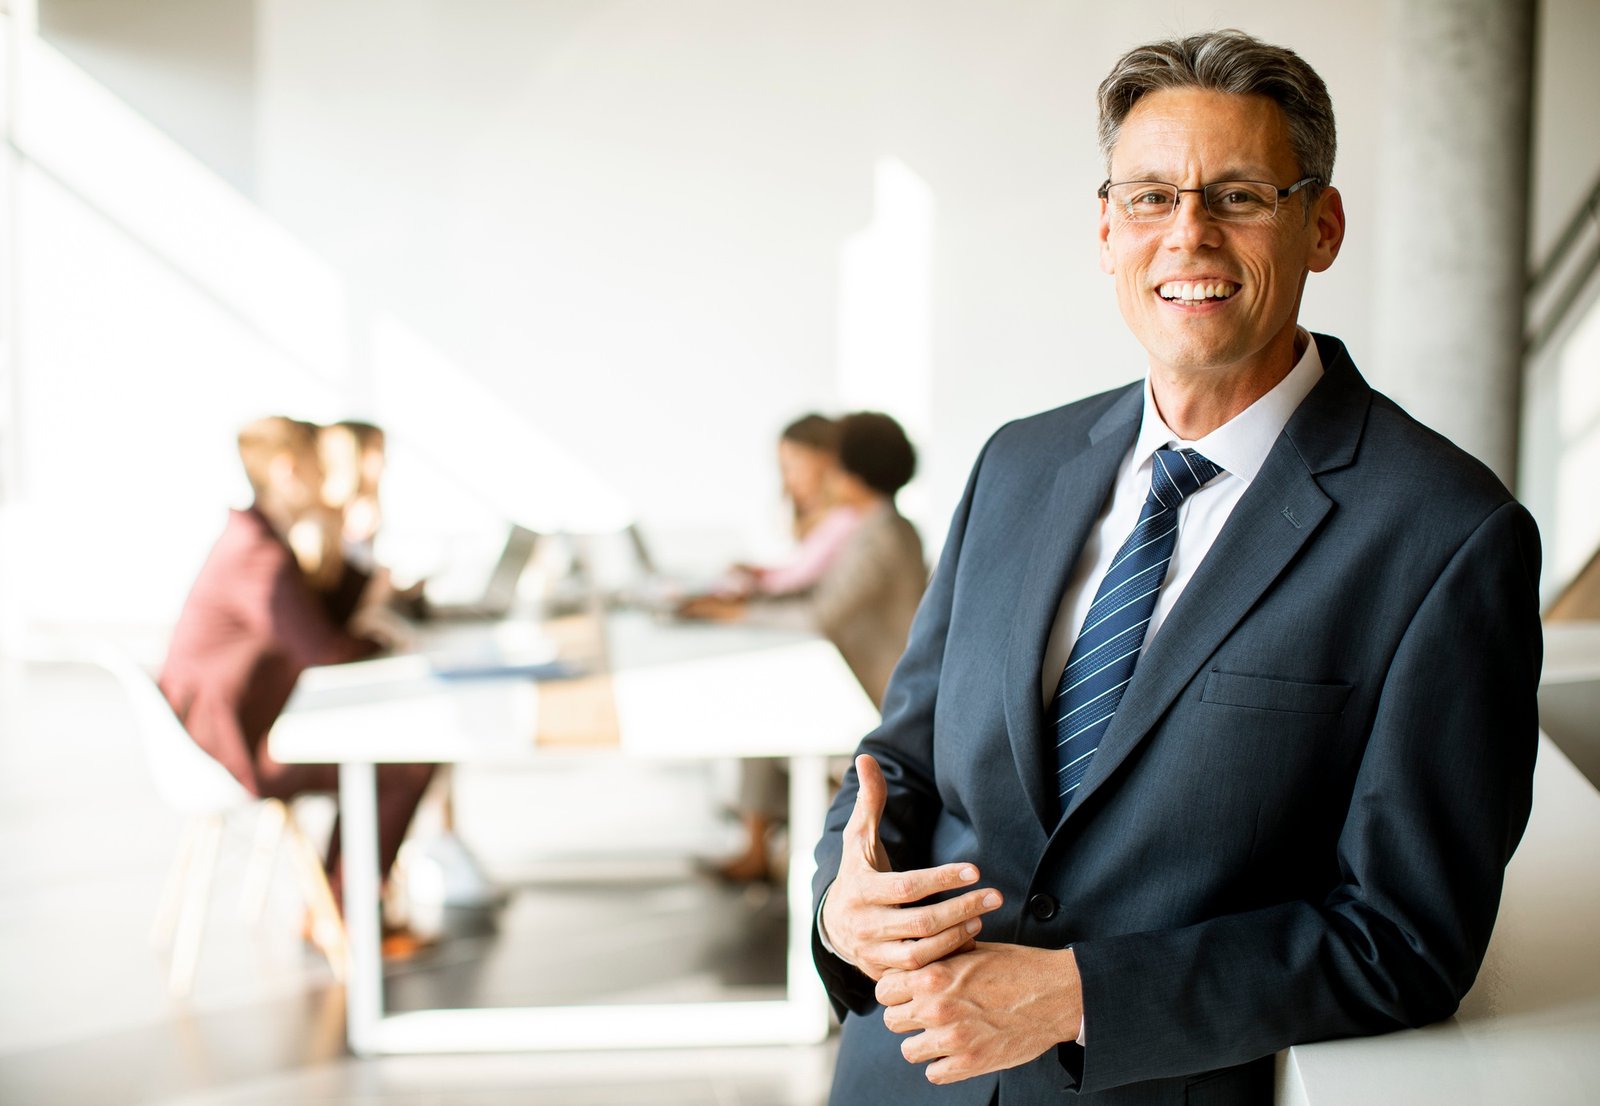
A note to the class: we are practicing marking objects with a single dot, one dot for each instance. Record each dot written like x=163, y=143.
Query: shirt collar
x=1240, y=445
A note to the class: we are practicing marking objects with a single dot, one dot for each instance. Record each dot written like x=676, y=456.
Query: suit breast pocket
x=1269, y=693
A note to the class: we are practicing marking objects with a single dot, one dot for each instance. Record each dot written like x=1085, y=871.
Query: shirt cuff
x=1083, y=1017
x=822, y=930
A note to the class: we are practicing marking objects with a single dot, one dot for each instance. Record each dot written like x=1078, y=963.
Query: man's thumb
x=872, y=793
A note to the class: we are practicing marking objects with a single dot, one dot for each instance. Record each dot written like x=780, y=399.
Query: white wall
x=631, y=220
x=190, y=64
x=624, y=242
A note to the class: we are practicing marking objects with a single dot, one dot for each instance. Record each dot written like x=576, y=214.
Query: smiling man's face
x=1206, y=298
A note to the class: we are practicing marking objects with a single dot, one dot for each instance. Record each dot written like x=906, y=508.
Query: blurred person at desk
x=863, y=602
x=808, y=461
x=274, y=598
x=353, y=455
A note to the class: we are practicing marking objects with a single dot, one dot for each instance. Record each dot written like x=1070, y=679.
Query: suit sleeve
x=1440, y=801
x=903, y=747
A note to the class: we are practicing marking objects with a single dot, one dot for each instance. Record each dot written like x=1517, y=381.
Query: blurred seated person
x=808, y=455
x=865, y=600
x=863, y=603
x=254, y=621
x=808, y=450
x=353, y=456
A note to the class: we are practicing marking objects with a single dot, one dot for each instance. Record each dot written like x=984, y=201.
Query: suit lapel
x=1082, y=483
x=1279, y=514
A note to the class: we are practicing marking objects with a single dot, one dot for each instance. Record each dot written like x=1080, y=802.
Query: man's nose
x=1190, y=224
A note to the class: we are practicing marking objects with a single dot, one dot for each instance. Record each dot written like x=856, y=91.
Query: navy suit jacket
x=1297, y=825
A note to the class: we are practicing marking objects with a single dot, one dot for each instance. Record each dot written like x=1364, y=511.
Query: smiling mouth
x=1189, y=292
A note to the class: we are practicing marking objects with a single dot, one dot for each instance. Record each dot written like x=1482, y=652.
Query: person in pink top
x=812, y=558
x=808, y=459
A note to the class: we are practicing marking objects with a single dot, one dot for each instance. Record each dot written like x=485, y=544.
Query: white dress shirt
x=1240, y=446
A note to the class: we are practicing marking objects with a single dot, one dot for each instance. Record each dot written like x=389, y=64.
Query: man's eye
x=1155, y=198
x=1238, y=198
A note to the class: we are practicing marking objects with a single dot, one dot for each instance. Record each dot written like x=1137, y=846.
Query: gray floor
x=84, y=1017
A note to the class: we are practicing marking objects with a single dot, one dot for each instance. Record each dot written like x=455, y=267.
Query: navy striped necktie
x=1113, y=633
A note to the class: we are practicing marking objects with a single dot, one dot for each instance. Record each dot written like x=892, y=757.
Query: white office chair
x=193, y=783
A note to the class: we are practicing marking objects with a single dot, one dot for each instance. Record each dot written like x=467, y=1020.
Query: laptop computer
x=500, y=591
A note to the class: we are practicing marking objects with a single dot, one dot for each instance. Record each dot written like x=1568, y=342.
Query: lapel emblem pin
x=1288, y=514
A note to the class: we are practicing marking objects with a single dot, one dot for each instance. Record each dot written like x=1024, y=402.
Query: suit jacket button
x=1042, y=907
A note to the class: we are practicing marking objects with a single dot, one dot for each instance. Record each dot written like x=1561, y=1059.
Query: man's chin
x=1189, y=361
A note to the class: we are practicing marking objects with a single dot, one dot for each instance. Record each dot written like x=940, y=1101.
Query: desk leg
x=358, y=814
x=801, y=1017
x=808, y=806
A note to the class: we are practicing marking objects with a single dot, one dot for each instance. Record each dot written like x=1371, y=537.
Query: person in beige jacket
x=864, y=603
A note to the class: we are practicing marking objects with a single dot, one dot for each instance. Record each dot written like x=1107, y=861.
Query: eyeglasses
x=1227, y=201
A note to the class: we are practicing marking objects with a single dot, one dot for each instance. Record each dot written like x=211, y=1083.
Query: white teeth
x=1194, y=291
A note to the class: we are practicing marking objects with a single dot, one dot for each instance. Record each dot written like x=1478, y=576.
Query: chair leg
x=327, y=924
x=165, y=924
x=192, y=921
x=270, y=821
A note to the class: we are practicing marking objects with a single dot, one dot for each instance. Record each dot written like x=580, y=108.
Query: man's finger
x=909, y=955
x=904, y=888
x=893, y=989
x=946, y=1070
x=872, y=793
x=920, y=1048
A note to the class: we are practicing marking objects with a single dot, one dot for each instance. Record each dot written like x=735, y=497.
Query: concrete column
x=1452, y=218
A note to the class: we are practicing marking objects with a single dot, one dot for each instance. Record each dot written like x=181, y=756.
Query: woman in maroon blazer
x=253, y=622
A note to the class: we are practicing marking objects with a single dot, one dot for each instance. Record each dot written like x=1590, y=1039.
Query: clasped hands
x=968, y=1007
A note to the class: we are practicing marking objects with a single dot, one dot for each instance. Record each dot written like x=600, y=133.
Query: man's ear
x=1325, y=234
x=1107, y=263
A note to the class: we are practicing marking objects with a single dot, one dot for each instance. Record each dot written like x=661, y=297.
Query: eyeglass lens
x=1228, y=201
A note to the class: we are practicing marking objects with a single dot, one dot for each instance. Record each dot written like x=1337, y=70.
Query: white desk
x=1528, y=1030
x=680, y=691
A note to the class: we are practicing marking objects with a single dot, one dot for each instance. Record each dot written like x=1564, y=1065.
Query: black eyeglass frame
x=1104, y=192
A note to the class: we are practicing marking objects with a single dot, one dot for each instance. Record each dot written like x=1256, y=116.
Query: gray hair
x=1227, y=61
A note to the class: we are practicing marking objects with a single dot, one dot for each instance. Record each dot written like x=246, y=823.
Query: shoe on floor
x=403, y=942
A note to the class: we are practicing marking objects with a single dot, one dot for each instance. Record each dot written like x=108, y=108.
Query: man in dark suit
x=1217, y=724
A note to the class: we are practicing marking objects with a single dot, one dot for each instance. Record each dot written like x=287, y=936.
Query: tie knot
x=1178, y=474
